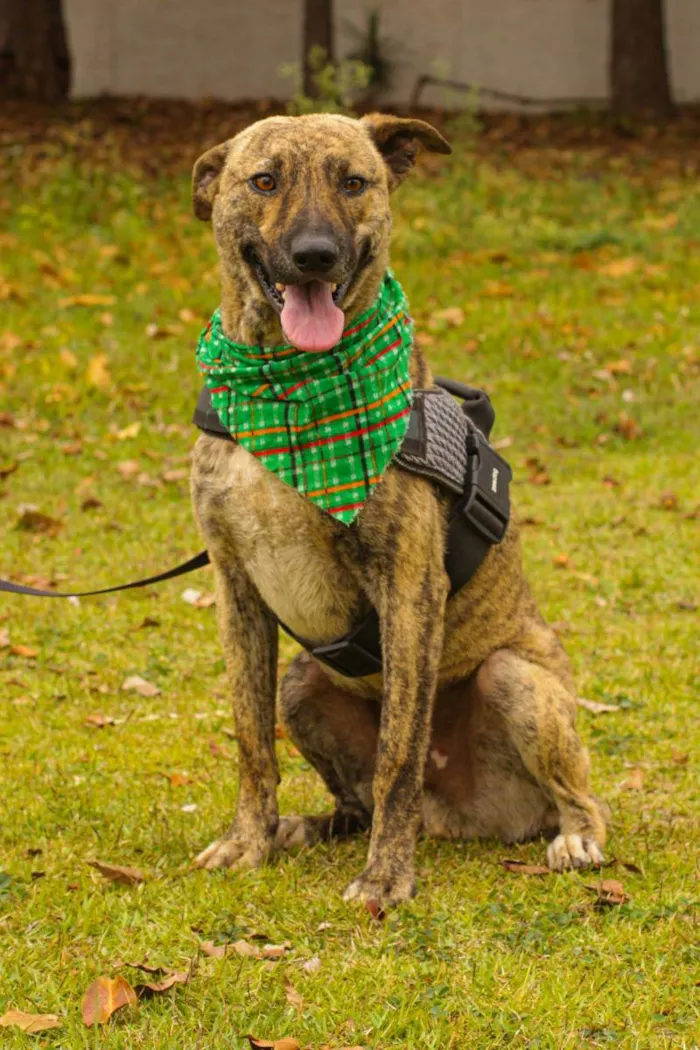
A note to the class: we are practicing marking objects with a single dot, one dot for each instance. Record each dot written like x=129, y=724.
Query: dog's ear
x=205, y=180
x=398, y=139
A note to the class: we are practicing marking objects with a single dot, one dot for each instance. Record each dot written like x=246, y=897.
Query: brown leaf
x=98, y=721
x=87, y=299
x=595, y=706
x=24, y=650
x=4, y=638
x=129, y=468
x=35, y=521
x=562, y=561
x=275, y=951
x=178, y=474
x=157, y=987
x=630, y=866
x=179, y=779
x=375, y=909
x=139, y=685
x=627, y=427
x=452, y=315
x=610, y=482
x=104, y=997
x=635, y=781
x=293, y=998
x=668, y=501
x=680, y=758
x=274, y=1044
x=148, y=621
x=97, y=372
x=219, y=750
x=538, y=473
x=8, y=468
x=117, y=873
x=619, y=267
x=520, y=867
x=609, y=892
x=91, y=503
x=619, y=368
x=30, y=1023
x=220, y=951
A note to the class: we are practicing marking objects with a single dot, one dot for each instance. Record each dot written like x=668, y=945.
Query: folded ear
x=205, y=180
x=398, y=139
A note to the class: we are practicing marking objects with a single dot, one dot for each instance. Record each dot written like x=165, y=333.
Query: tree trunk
x=318, y=33
x=34, y=62
x=638, y=66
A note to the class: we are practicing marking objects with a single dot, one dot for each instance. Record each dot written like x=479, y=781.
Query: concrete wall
x=233, y=49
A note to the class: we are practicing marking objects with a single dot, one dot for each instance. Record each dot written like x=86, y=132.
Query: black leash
x=198, y=562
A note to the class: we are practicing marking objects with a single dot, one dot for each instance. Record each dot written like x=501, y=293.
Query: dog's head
x=300, y=210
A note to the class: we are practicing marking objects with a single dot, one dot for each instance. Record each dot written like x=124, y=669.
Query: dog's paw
x=390, y=889
x=232, y=853
x=573, y=851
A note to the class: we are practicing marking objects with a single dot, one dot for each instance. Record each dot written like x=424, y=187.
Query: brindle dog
x=470, y=729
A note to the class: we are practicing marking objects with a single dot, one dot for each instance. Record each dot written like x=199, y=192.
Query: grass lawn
x=566, y=281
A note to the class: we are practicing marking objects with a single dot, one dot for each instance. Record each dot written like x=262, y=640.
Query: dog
x=470, y=729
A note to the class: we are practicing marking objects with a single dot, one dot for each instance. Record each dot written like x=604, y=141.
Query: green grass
x=529, y=247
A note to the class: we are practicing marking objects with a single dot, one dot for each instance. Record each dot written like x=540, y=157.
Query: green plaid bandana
x=328, y=423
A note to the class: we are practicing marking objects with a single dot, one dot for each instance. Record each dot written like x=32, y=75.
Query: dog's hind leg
x=539, y=714
x=336, y=732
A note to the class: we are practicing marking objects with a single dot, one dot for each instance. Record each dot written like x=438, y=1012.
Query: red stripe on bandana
x=334, y=437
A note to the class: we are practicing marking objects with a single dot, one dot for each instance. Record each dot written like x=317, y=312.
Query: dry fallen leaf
x=4, y=638
x=680, y=758
x=99, y=721
x=157, y=987
x=104, y=997
x=635, y=781
x=275, y=951
x=538, y=473
x=35, y=521
x=619, y=267
x=375, y=909
x=293, y=998
x=129, y=468
x=24, y=650
x=668, y=501
x=97, y=372
x=220, y=951
x=312, y=965
x=595, y=706
x=519, y=867
x=562, y=561
x=8, y=468
x=87, y=299
x=139, y=685
x=118, y=873
x=274, y=1044
x=30, y=1023
x=627, y=427
x=609, y=892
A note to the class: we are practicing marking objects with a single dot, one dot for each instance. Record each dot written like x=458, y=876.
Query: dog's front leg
x=410, y=590
x=249, y=635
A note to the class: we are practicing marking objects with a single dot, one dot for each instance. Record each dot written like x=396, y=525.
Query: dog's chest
x=285, y=543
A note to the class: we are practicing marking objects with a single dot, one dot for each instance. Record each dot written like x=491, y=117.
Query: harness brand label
x=494, y=479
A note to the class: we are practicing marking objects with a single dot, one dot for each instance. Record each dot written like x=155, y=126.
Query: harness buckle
x=487, y=506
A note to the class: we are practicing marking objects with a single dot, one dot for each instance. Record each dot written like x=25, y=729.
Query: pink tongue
x=310, y=319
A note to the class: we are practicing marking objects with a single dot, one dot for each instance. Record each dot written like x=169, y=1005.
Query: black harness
x=446, y=442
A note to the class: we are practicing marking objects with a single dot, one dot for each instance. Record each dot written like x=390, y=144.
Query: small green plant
x=337, y=84
x=374, y=51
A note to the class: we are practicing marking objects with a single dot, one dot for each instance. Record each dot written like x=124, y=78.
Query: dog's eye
x=263, y=183
x=354, y=185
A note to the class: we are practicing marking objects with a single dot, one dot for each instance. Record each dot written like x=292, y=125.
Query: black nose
x=314, y=252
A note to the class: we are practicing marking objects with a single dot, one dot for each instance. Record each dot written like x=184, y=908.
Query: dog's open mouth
x=310, y=313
